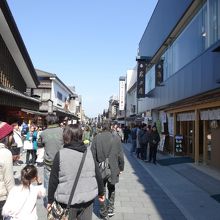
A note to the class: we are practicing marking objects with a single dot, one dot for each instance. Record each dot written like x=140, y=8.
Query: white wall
x=131, y=77
x=131, y=100
x=56, y=87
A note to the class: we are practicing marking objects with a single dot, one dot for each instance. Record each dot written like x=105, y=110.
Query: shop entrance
x=187, y=128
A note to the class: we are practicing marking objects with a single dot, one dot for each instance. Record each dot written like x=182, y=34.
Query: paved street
x=153, y=192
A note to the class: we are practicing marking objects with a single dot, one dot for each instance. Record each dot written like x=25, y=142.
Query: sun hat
x=5, y=129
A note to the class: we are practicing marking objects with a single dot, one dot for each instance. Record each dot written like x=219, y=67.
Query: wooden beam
x=196, y=136
x=205, y=142
x=174, y=133
x=193, y=107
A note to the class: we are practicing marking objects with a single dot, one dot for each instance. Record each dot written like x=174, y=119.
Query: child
x=21, y=201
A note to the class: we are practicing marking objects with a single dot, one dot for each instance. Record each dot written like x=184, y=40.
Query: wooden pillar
x=174, y=133
x=181, y=128
x=196, y=136
x=205, y=142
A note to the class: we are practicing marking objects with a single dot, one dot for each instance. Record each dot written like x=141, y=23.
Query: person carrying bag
x=56, y=212
x=71, y=193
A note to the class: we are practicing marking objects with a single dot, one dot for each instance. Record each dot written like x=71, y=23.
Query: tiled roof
x=14, y=92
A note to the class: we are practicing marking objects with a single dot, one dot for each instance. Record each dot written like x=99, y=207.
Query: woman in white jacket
x=6, y=165
x=21, y=201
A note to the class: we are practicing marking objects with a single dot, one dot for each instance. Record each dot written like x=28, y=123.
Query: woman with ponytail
x=21, y=202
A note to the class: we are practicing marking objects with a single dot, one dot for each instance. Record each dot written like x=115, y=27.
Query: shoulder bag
x=57, y=212
x=104, y=166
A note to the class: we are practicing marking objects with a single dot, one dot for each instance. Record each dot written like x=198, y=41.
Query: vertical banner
x=159, y=73
x=141, y=70
x=121, y=93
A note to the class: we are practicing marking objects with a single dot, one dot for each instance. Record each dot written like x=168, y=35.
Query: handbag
x=28, y=145
x=57, y=212
x=104, y=166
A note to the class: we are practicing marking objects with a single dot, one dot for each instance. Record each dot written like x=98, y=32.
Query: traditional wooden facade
x=17, y=74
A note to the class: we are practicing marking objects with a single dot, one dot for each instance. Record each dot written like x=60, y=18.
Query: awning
x=188, y=116
x=61, y=112
x=32, y=112
x=17, y=93
x=209, y=114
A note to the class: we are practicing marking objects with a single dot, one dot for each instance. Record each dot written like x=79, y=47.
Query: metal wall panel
x=199, y=76
x=165, y=17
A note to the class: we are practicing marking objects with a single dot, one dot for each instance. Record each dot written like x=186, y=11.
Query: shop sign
x=141, y=71
x=121, y=95
x=159, y=73
x=179, y=143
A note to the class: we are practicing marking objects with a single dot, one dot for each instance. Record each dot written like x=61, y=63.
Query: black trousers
x=33, y=154
x=153, y=152
x=1, y=206
x=108, y=203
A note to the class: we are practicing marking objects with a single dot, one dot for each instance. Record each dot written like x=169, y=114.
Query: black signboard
x=141, y=71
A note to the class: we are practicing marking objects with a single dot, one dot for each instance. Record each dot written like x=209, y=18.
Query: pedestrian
x=6, y=163
x=133, y=138
x=19, y=143
x=153, y=141
x=126, y=134
x=64, y=172
x=86, y=135
x=21, y=201
x=52, y=140
x=40, y=149
x=138, y=146
x=31, y=136
x=143, y=141
x=107, y=145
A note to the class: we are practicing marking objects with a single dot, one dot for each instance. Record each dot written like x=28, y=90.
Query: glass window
x=150, y=80
x=190, y=43
x=202, y=32
x=59, y=96
x=167, y=64
x=213, y=21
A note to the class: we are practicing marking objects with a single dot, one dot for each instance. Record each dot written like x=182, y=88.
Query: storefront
x=194, y=131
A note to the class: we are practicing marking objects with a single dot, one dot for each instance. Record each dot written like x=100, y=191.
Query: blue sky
x=88, y=44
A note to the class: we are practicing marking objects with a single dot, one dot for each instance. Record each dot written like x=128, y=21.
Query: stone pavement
x=153, y=192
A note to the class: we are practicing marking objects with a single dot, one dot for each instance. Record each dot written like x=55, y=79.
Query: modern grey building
x=181, y=46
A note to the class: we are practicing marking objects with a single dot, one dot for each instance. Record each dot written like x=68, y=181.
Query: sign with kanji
x=141, y=70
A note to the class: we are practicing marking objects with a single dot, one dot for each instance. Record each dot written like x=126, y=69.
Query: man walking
x=107, y=145
x=52, y=140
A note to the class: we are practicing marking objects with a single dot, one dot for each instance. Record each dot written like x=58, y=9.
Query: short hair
x=72, y=133
x=106, y=126
x=51, y=119
x=28, y=173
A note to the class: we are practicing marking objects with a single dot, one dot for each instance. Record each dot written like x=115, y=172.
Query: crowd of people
x=72, y=157
x=64, y=148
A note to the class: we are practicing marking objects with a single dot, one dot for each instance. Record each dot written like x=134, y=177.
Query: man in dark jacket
x=107, y=145
x=154, y=141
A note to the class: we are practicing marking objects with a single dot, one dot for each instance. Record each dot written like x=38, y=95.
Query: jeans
x=46, y=182
x=134, y=145
x=108, y=204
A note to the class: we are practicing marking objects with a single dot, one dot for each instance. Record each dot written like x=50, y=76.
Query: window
x=201, y=33
x=150, y=80
x=59, y=96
